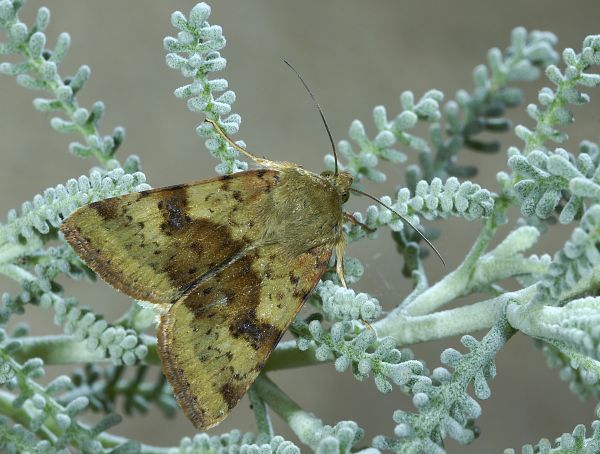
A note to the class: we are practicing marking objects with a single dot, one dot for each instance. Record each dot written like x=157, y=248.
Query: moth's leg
x=340, y=247
x=350, y=218
x=223, y=134
x=368, y=324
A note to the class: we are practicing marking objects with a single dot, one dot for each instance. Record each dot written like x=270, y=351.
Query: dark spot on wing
x=293, y=278
x=107, y=209
x=191, y=241
x=257, y=332
x=246, y=268
x=231, y=394
x=259, y=366
x=301, y=293
x=174, y=212
x=235, y=305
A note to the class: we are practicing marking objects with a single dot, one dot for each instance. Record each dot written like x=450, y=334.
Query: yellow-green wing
x=214, y=341
x=155, y=245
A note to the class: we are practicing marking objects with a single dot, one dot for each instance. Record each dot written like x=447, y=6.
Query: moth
x=228, y=261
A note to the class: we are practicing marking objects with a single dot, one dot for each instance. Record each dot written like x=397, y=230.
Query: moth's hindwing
x=154, y=245
x=214, y=341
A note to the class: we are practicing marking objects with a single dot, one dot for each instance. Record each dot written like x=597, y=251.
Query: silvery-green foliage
x=574, y=262
x=37, y=69
x=340, y=438
x=339, y=303
x=583, y=375
x=572, y=327
x=546, y=178
x=22, y=238
x=456, y=124
x=432, y=200
x=575, y=442
x=364, y=162
x=351, y=346
x=555, y=304
x=105, y=386
x=39, y=404
x=444, y=407
x=541, y=178
x=235, y=441
x=46, y=211
x=195, y=53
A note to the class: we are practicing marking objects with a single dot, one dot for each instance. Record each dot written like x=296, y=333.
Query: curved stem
x=288, y=356
x=16, y=273
x=9, y=252
x=263, y=421
x=453, y=284
x=64, y=349
x=303, y=423
x=409, y=330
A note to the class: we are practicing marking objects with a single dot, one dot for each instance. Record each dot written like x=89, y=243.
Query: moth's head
x=342, y=182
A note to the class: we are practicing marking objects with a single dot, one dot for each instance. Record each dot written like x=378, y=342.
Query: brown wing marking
x=155, y=244
x=214, y=341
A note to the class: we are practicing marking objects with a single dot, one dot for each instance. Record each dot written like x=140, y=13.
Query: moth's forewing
x=215, y=340
x=154, y=245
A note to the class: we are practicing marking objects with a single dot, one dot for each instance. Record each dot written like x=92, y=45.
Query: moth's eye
x=326, y=173
x=345, y=197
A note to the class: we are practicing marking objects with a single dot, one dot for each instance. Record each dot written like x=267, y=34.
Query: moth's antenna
x=403, y=219
x=320, y=113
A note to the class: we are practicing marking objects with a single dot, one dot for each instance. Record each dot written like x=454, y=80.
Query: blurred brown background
x=355, y=55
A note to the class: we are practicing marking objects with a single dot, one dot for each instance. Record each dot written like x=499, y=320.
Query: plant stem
x=263, y=421
x=304, y=424
x=456, y=283
x=16, y=273
x=64, y=349
x=9, y=252
x=453, y=284
x=288, y=356
x=484, y=314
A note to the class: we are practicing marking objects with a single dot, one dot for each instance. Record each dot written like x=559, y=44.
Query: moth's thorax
x=305, y=209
